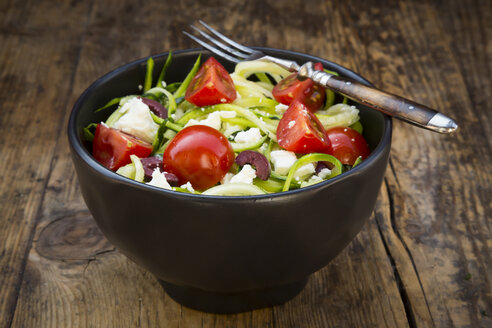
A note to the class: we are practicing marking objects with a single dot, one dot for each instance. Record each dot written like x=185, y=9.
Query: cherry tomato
x=300, y=131
x=347, y=144
x=112, y=148
x=312, y=96
x=198, y=154
x=211, y=85
x=306, y=91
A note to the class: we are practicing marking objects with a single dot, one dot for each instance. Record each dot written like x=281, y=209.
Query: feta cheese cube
x=246, y=175
x=282, y=161
x=137, y=120
x=252, y=135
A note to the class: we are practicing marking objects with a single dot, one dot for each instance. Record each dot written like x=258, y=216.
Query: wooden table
x=422, y=260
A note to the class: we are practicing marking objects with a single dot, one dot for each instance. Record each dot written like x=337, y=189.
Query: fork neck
x=289, y=65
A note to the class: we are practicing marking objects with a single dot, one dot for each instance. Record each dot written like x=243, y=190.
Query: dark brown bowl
x=225, y=254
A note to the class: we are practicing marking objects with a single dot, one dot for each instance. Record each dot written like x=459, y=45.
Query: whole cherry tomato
x=348, y=144
x=290, y=88
x=211, y=85
x=112, y=148
x=300, y=131
x=198, y=154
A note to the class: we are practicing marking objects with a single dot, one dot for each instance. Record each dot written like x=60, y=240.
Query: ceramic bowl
x=225, y=254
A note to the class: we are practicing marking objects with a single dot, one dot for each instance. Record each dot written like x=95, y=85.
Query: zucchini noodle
x=265, y=104
x=247, y=68
x=310, y=158
x=338, y=115
x=170, y=97
x=182, y=88
x=139, y=171
x=249, y=88
x=148, y=74
x=134, y=170
x=263, y=126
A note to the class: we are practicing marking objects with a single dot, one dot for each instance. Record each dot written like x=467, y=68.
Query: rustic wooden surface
x=422, y=260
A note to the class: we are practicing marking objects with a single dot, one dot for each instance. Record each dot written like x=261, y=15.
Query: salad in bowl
x=254, y=131
x=230, y=193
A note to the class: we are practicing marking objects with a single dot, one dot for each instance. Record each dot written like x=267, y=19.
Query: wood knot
x=74, y=237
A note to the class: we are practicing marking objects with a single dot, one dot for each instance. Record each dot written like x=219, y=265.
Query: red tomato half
x=306, y=91
x=112, y=148
x=347, y=144
x=211, y=85
x=300, y=131
x=198, y=154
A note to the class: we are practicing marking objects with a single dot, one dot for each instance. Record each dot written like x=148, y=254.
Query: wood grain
x=35, y=82
x=422, y=260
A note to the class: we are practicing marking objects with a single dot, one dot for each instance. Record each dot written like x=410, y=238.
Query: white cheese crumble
x=188, y=186
x=282, y=161
x=305, y=170
x=252, y=135
x=213, y=119
x=315, y=179
x=159, y=180
x=227, y=178
x=137, y=120
x=246, y=175
x=324, y=173
x=291, y=124
x=281, y=108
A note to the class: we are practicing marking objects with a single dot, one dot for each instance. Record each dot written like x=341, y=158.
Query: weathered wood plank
x=433, y=233
x=34, y=85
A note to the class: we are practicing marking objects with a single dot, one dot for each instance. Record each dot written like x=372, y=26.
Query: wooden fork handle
x=387, y=103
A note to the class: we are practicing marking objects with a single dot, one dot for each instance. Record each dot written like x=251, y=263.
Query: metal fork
x=393, y=105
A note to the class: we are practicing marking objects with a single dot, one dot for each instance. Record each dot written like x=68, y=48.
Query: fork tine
x=220, y=44
x=226, y=39
x=212, y=49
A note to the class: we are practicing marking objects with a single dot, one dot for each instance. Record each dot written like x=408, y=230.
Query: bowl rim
x=79, y=149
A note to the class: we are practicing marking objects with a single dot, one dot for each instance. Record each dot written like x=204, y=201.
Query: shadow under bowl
x=225, y=254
